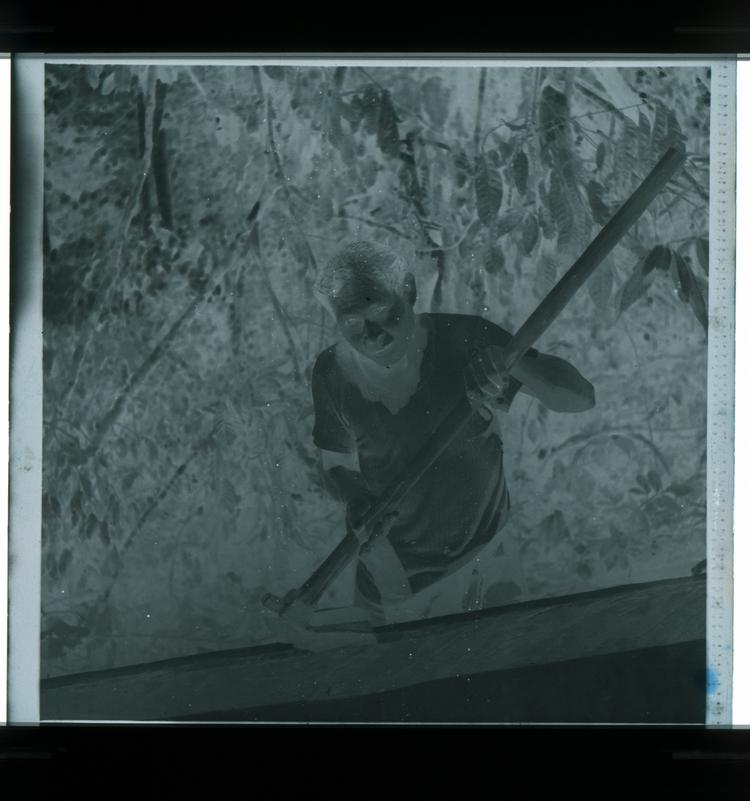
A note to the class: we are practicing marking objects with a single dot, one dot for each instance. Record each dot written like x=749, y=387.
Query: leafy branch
x=117, y=258
x=606, y=431
x=284, y=181
x=99, y=606
x=375, y=224
x=406, y=109
x=103, y=426
x=254, y=249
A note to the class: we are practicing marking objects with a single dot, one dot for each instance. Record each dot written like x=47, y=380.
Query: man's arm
x=346, y=483
x=555, y=382
x=343, y=479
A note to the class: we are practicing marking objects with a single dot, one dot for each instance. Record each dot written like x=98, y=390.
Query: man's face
x=380, y=327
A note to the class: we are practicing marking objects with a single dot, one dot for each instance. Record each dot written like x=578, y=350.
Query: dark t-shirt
x=462, y=501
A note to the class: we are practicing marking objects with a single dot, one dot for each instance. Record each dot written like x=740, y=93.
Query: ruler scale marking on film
x=720, y=396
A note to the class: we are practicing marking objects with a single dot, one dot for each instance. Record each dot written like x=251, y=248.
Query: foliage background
x=187, y=211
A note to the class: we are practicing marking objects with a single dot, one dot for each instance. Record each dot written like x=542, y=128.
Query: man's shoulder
x=464, y=326
x=451, y=323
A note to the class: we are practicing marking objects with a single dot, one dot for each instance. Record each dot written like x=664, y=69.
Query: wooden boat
x=627, y=654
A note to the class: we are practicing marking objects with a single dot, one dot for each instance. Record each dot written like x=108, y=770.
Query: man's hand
x=487, y=382
x=356, y=510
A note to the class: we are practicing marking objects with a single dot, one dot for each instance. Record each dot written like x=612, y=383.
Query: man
x=380, y=392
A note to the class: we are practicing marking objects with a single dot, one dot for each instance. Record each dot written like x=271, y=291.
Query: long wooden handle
x=603, y=244
x=452, y=425
x=348, y=548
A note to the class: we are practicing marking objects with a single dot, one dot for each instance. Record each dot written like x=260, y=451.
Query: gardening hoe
x=297, y=606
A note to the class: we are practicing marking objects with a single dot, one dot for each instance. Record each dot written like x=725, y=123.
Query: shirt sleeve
x=491, y=334
x=331, y=432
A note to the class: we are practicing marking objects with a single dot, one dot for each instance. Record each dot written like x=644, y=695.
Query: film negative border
x=26, y=468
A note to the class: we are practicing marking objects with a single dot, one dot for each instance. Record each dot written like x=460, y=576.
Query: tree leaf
x=108, y=84
x=645, y=153
x=681, y=489
x=553, y=117
x=494, y=260
x=503, y=153
x=128, y=479
x=546, y=223
x=65, y=558
x=530, y=233
x=508, y=221
x=274, y=71
x=434, y=100
x=254, y=240
x=701, y=251
x=541, y=190
x=521, y=171
x=625, y=444
x=253, y=212
x=600, y=285
x=546, y=274
x=599, y=209
x=644, y=483
x=167, y=74
x=659, y=128
x=632, y=289
x=657, y=259
x=696, y=298
x=626, y=150
x=675, y=136
x=369, y=104
x=424, y=178
x=351, y=112
x=462, y=162
x=86, y=484
x=434, y=233
x=228, y=494
x=387, y=135
x=476, y=282
x=654, y=479
x=467, y=243
x=334, y=130
x=601, y=152
x=559, y=209
x=555, y=527
x=93, y=75
x=682, y=275
x=618, y=93
x=488, y=186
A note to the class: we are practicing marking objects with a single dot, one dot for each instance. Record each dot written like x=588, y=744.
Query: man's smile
x=379, y=342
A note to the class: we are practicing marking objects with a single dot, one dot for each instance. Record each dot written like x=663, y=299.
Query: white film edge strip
x=720, y=394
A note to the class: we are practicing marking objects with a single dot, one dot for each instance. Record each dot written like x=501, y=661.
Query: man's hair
x=356, y=271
